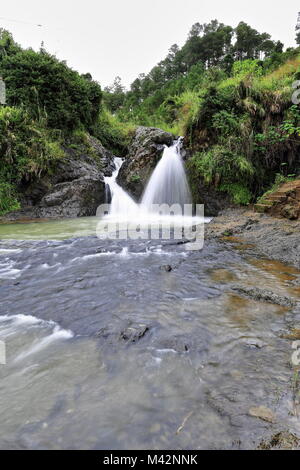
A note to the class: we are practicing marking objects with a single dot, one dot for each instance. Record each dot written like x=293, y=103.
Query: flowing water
x=106, y=349
x=168, y=184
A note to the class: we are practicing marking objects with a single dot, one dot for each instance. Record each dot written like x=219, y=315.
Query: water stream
x=108, y=350
x=168, y=183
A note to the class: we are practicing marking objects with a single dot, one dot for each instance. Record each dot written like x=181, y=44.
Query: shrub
x=239, y=194
x=50, y=90
x=8, y=198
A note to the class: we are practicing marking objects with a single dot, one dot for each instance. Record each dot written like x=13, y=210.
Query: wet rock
x=134, y=333
x=75, y=188
x=77, y=198
x=264, y=413
x=214, y=200
x=175, y=344
x=144, y=153
x=265, y=295
x=256, y=343
x=290, y=212
x=128, y=332
x=166, y=268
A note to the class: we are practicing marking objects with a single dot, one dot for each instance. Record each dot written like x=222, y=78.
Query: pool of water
x=106, y=348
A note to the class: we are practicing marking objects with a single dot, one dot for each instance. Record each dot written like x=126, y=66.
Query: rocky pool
x=142, y=344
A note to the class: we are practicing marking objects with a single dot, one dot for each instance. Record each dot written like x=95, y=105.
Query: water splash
x=121, y=202
x=168, y=183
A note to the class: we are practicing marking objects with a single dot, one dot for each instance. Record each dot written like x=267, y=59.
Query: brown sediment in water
x=293, y=335
x=280, y=270
x=244, y=246
x=223, y=275
x=242, y=311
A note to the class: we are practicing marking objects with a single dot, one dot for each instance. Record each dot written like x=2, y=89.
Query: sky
x=127, y=37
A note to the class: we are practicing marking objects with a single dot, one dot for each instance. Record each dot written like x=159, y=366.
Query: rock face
x=214, y=201
x=144, y=153
x=75, y=189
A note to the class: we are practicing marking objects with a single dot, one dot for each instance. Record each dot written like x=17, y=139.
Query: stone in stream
x=134, y=333
x=128, y=332
x=166, y=268
x=264, y=413
x=265, y=295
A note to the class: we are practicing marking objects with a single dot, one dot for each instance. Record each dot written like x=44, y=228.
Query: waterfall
x=121, y=202
x=168, y=183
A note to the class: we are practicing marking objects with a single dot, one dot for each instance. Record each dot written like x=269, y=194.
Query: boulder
x=214, y=201
x=144, y=153
x=75, y=188
x=290, y=211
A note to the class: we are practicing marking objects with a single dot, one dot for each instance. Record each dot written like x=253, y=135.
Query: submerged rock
x=144, y=153
x=129, y=332
x=264, y=413
x=166, y=268
x=134, y=333
x=265, y=295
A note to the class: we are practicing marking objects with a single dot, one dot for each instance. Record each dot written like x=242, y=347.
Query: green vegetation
x=279, y=180
x=47, y=87
x=229, y=93
x=26, y=150
x=49, y=107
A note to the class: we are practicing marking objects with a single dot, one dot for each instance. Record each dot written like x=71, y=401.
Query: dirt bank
x=276, y=238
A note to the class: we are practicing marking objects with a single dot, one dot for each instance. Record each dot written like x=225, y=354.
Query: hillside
x=51, y=133
x=229, y=93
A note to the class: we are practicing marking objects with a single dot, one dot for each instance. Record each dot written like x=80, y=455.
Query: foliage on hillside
x=232, y=100
x=48, y=106
x=47, y=87
x=26, y=150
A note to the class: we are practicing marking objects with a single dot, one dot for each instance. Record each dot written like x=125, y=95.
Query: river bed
x=140, y=344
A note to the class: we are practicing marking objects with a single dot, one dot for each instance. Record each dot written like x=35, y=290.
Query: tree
x=250, y=44
x=49, y=89
x=196, y=30
x=114, y=95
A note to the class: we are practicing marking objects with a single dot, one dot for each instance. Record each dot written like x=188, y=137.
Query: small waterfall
x=121, y=202
x=168, y=183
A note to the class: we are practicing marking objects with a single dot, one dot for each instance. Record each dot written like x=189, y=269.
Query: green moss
x=135, y=178
x=239, y=194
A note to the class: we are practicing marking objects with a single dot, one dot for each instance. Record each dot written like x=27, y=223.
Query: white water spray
x=121, y=202
x=168, y=183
